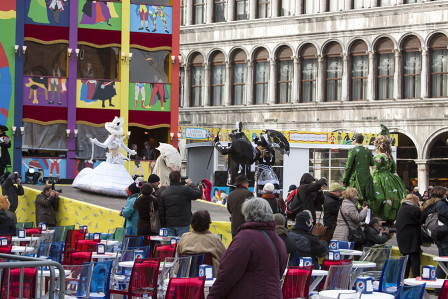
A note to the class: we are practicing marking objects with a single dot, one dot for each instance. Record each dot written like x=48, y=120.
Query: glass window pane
x=336, y=5
x=220, y=8
x=286, y=8
x=34, y=65
x=147, y=66
x=98, y=63
x=242, y=10
x=361, y=4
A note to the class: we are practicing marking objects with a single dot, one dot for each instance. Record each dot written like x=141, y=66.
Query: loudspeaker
x=221, y=178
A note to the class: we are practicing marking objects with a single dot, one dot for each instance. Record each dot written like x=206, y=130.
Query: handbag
x=357, y=236
x=154, y=220
x=320, y=230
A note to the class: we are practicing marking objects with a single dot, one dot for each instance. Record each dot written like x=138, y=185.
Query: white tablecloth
x=363, y=265
x=106, y=255
x=21, y=249
x=433, y=284
x=333, y=294
x=350, y=252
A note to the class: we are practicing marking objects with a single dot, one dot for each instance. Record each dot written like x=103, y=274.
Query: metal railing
x=21, y=262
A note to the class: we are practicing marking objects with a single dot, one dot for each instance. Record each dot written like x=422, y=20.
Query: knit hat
x=304, y=218
x=153, y=178
x=335, y=187
x=146, y=189
x=133, y=189
x=292, y=188
x=4, y=203
x=268, y=188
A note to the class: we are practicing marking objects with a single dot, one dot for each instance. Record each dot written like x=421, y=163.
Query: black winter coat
x=143, y=206
x=175, y=204
x=235, y=201
x=318, y=249
x=282, y=232
x=308, y=195
x=5, y=159
x=7, y=225
x=373, y=237
x=409, y=221
x=13, y=192
x=331, y=209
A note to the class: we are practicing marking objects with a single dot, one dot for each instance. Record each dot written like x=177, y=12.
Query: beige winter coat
x=353, y=217
x=194, y=243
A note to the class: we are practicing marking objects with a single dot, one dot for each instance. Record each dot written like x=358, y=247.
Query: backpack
x=294, y=206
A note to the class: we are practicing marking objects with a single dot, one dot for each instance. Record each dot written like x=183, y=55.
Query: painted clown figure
x=158, y=12
x=143, y=14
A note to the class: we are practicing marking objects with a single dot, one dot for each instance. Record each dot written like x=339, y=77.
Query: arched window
x=335, y=5
x=412, y=68
x=239, y=65
x=334, y=72
x=261, y=76
x=218, y=79
x=360, y=70
x=264, y=9
x=357, y=4
x=386, y=68
x=386, y=2
x=285, y=73
x=310, y=6
x=197, y=77
x=308, y=57
x=439, y=66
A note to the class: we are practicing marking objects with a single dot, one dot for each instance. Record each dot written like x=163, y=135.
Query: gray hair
x=279, y=219
x=257, y=210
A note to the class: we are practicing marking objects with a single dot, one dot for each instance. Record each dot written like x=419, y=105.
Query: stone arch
x=426, y=150
x=407, y=35
x=380, y=37
x=354, y=40
x=304, y=44
x=213, y=52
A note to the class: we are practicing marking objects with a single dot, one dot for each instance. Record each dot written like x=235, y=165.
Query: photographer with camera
x=376, y=234
x=47, y=203
x=175, y=204
x=12, y=191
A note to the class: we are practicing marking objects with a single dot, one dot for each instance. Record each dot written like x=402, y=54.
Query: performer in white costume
x=110, y=177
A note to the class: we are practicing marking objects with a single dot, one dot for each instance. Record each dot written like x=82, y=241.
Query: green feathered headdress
x=384, y=131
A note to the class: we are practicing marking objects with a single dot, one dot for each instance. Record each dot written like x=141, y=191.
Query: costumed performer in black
x=265, y=155
x=5, y=144
x=241, y=155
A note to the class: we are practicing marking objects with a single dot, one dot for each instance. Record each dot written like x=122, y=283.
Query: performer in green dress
x=389, y=188
x=357, y=172
x=38, y=11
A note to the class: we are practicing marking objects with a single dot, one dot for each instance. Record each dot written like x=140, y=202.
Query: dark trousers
x=439, y=272
x=414, y=262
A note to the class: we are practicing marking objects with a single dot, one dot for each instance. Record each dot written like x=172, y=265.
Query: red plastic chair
x=72, y=257
x=143, y=280
x=86, y=245
x=5, y=250
x=186, y=288
x=162, y=251
x=444, y=290
x=297, y=282
x=33, y=231
x=71, y=238
x=8, y=236
x=29, y=283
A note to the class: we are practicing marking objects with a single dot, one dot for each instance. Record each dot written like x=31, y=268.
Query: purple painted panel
x=45, y=91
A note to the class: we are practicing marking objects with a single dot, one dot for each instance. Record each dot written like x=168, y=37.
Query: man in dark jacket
x=235, y=201
x=303, y=227
x=13, y=192
x=175, y=204
x=269, y=196
x=47, y=203
x=375, y=233
x=308, y=196
x=332, y=202
x=282, y=232
x=5, y=144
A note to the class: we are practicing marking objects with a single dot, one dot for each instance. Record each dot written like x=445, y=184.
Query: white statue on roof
x=110, y=177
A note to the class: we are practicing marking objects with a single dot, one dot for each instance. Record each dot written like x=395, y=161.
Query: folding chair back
x=11, y=279
x=186, y=288
x=338, y=277
x=444, y=290
x=162, y=251
x=297, y=282
x=196, y=261
x=392, y=275
x=412, y=292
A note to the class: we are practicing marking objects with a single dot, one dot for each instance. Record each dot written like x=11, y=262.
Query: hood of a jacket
x=306, y=179
x=430, y=202
x=281, y=230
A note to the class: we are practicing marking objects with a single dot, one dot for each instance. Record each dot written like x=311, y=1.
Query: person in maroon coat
x=254, y=262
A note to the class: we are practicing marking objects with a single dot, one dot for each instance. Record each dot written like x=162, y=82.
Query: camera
x=183, y=179
x=53, y=187
x=392, y=230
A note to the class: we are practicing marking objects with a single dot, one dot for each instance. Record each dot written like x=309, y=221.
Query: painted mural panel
x=47, y=12
x=47, y=167
x=99, y=15
x=149, y=96
x=151, y=18
x=7, y=64
x=98, y=94
x=44, y=91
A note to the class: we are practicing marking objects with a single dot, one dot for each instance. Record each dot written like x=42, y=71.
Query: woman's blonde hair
x=264, y=152
x=4, y=203
x=383, y=145
x=350, y=193
x=411, y=197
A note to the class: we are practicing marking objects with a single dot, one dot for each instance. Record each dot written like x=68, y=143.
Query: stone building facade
x=323, y=65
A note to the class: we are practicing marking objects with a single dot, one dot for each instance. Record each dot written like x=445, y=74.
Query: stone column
x=230, y=10
x=298, y=7
x=371, y=77
x=345, y=78
x=252, y=9
x=422, y=175
x=250, y=84
x=397, y=75
x=348, y=4
x=320, y=78
x=228, y=86
x=189, y=8
x=296, y=79
x=425, y=74
x=272, y=81
x=206, y=94
x=373, y=3
x=399, y=2
x=322, y=5
x=275, y=8
x=187, y=86
x=209, y=7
